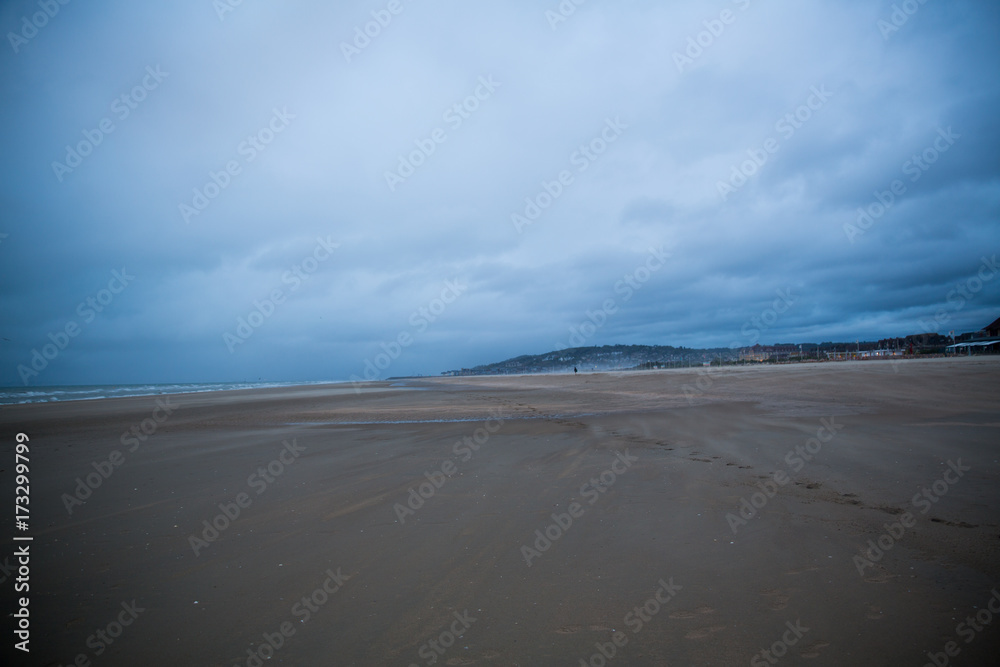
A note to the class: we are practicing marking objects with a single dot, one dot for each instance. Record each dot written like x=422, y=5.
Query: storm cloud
x=207, y=191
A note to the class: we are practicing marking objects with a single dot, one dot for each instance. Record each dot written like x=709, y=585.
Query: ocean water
x=12, y=395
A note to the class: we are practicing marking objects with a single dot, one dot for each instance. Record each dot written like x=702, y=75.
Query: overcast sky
x=674, y=169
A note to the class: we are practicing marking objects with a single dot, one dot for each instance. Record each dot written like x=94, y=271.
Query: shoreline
x=420, y=378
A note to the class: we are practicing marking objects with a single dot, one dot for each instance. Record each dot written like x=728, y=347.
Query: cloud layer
x=326, y=173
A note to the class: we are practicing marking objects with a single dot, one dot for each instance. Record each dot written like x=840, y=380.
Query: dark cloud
x=785, y=226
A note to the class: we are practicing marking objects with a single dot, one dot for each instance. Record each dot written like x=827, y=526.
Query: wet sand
x=693, y=517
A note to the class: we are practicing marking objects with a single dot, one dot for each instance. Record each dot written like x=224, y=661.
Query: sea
x=14, y=395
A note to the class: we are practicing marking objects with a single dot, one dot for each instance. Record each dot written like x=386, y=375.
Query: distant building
x=986, y=339
x=880, y=354
x=761, y=353
x=993, y=330
x=755, y=353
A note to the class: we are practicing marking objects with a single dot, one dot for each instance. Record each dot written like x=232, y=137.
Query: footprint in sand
x=702, y=633
x=880, y=577
x=778, y=600
x=812, y=651
x=573, y=629
x=874, y=613
x=460, y=661
x=960, y=524
x=697, y=611
x=489, y=655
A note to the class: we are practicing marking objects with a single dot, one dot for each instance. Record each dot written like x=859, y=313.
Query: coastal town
x=648, y=357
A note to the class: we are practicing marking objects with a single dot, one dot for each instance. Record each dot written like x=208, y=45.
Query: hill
x=604, y=358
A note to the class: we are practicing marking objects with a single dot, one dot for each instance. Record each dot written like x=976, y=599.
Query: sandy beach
x=827, y=514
